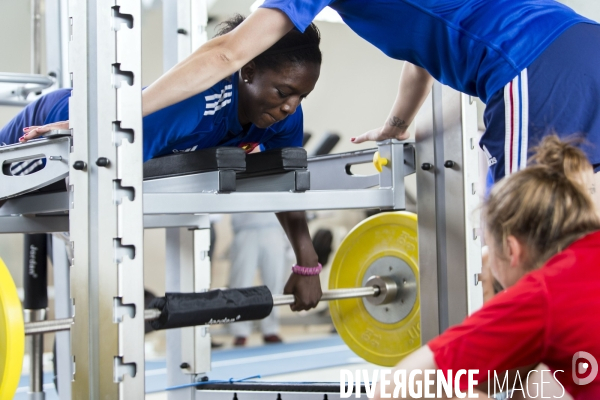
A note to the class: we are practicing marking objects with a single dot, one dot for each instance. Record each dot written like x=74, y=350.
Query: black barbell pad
x=35, y=272
x=205, y=160
x=179, y=310
x=275, y=161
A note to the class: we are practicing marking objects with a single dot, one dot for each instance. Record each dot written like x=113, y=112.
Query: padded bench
x=231, y=164
x=286, y=169
x=205, y=160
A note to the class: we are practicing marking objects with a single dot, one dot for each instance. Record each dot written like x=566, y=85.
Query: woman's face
x=269, y=96
x=507, y=265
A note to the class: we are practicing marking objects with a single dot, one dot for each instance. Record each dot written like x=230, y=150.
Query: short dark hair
x=294, y=47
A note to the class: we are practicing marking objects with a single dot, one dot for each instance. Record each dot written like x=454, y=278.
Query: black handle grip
x=35, y=272
x=179, y=310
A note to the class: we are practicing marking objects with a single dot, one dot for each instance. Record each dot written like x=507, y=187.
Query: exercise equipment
x=385, y=244
x=12, y=335
x=379, y=162
x=179, y=310
x=35, y=304
x=283, y=175
x=15, y=87
x=375, y=271
x=275, y=161
x=325, y=144
x=211, y=159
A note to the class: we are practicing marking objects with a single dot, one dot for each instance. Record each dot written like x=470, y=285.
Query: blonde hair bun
x=561, y=156
x=544, y=205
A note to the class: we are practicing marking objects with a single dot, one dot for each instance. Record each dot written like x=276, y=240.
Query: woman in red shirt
x=544, y=238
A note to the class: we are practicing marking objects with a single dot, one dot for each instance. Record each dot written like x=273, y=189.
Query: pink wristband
x=307, y=271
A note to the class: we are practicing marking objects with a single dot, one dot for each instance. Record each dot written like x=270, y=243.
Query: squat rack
x=107, y=217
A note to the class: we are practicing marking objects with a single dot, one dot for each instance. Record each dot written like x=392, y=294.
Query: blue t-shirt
x=474, y=46
x=205, y=120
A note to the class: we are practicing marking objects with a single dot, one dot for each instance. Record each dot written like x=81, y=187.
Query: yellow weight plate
x=12, y=335
x=382, y=240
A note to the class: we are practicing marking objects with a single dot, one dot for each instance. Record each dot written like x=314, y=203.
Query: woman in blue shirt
x=533, y=62
x=259, y=105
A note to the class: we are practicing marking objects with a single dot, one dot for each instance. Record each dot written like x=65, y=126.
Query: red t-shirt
x=548, y=316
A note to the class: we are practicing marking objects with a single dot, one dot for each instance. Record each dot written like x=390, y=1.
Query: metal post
x=62, y=309
x=188, y=270
x=179, y=278
x=79, y=223
x=57, y=41
x=36, y=36
x=460, y=173
x=170, y=55
x=453, y=288
x=472, y=201
x=202, y=341
x=188, y=349
x=106, y=219
x=427, y=217
x=446, y=178
x=35, y=347
x=192, y=20
x=184, y=29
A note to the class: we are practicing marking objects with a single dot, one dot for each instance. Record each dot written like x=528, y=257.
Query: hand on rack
x=388, y=131
x=32, y=132
x=306, y=290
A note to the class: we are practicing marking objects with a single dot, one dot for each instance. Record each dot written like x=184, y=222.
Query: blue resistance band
x=231, y=380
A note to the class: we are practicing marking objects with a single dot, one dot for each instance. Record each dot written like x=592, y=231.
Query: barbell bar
x=382, y=286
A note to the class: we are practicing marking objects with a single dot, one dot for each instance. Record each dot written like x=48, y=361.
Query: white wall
x=588, y=8
x=356, y=89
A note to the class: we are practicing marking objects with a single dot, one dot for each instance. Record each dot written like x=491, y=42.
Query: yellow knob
x=379, y=162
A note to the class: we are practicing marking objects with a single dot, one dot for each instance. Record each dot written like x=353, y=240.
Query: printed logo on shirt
x=490, y=159
x=185, y=150
x=248, y=147
x=584, y=368
x=215, y=102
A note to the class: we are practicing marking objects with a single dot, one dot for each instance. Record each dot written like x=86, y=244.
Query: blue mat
x=274, y=359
